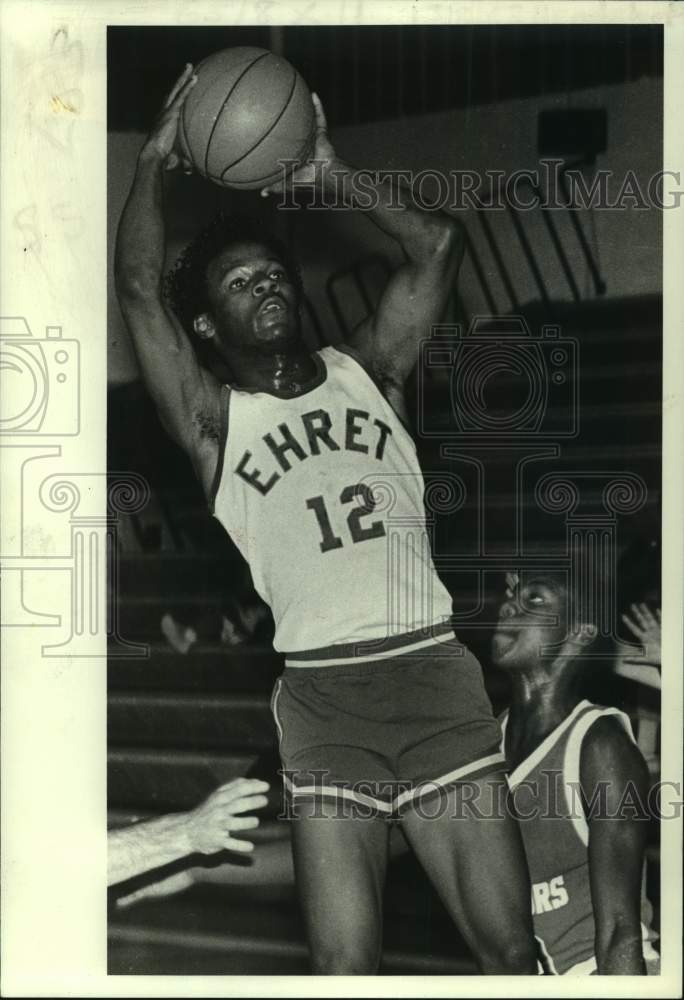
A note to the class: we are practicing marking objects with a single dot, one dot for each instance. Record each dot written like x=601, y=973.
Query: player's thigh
x=340, y=865
x=470, y=846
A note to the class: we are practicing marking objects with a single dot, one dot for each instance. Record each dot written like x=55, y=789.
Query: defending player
x=285, y=456
x=580, y=785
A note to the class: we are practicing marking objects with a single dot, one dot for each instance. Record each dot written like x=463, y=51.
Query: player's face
x=253, y=299
x=532, y=616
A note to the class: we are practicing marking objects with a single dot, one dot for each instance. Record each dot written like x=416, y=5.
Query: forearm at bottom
x=621, y=953
x=143, y=846
x=140, y=242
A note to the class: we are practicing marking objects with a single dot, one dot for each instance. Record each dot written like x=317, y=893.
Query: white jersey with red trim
x=323, y=495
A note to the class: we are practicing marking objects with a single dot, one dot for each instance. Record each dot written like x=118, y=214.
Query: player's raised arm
x=418, y=291
x=617, y=824
x=187, y=396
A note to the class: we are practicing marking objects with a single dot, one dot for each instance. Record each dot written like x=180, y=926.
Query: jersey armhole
x=223, y=438
x=572, y=761
x=502, y=719
x=355, y=356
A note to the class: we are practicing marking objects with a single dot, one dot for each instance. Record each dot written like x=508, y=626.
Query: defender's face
x=253, y=299
x=533, y=615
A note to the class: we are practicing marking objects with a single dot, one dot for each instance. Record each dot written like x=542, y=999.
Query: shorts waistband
x=373, y=650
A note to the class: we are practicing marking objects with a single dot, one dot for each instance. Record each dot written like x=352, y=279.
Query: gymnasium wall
x=502, y=136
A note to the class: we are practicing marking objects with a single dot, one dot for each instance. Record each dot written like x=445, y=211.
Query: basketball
x=248, y=110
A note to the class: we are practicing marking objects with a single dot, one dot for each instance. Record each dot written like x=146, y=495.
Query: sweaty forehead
x=242, y=254
x=550, y=581
x=554, y=582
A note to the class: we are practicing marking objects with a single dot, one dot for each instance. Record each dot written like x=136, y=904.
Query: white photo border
x=53, y=158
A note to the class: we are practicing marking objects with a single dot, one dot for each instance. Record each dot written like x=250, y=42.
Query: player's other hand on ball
x=163, y=138
x=212, y=825
x=321, y=157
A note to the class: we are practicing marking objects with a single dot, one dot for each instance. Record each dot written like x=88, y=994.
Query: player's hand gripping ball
x=249, y=110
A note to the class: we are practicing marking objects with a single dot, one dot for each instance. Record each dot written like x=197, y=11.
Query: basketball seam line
x=220, y=111
x=268, y=130
x=247, y=185
x=253, y=180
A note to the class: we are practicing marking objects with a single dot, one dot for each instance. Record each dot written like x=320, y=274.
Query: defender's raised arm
x=186, y=395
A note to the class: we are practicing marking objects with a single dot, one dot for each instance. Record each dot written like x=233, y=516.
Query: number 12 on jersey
x=359, y=532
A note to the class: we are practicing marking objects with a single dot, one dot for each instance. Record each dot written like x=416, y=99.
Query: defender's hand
x=163, y=138
x=319, y=160
x=211, y=825
x=646, y=628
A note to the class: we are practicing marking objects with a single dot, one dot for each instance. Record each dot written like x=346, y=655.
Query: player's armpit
x=389, y=384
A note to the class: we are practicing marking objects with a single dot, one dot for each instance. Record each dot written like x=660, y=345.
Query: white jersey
x=323, y=495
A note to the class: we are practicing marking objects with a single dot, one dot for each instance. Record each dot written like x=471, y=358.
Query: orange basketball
x=249, y=110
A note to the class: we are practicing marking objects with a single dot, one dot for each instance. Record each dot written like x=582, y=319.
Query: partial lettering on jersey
x=313, y=434
x=549, y=896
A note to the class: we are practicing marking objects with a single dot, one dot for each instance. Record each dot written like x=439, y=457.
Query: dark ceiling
x=385, y=71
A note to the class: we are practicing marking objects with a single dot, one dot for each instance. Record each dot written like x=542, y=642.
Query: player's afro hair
x=185, y=286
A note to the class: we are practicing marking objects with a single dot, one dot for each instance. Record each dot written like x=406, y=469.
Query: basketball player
x=578, y=775
x=284, y=454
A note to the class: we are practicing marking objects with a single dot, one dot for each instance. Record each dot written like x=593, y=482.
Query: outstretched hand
x=321, y=156
x=645, y=626
x=210, y=827
x=163, y=137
